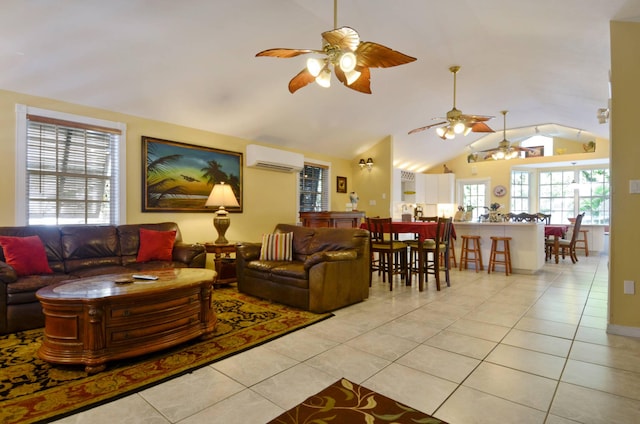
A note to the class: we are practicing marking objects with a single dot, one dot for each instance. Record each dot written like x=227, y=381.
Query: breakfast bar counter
x=527, y=242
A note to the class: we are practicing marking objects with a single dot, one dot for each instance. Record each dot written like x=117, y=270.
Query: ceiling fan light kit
x=455, y=121
x=349, y=57
x=505, y=151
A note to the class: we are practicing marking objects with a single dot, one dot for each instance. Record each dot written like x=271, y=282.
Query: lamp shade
x=221, y=196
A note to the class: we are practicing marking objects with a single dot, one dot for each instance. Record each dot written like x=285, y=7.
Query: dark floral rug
x=32, y=390
x=347, y=402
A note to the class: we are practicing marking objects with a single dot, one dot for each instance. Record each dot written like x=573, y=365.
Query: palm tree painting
x=178, y=177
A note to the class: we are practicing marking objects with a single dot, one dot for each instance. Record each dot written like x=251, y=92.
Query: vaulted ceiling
x=193, y=63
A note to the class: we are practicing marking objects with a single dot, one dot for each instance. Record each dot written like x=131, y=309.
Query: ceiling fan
x=343, y=51
x=505, y=150
x=456, y=122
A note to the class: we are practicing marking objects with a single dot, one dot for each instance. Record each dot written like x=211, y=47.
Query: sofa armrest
x=248, y=251
x=194, y=255
x=330, y=256
x=7, y=273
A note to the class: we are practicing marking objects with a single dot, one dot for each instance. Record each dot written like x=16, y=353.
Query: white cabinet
x=439, y=188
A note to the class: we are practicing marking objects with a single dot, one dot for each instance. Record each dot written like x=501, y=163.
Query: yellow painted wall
x=375, y=186
x=269, y=197
x=624, y=309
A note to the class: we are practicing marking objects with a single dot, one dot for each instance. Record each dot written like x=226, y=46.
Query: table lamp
x=221, y=196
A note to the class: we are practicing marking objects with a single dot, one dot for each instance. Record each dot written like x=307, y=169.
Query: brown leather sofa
x=329, y=270
x=75, y=251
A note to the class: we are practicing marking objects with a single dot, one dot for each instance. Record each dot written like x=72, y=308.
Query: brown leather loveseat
x=329, y=269
x=80, y=251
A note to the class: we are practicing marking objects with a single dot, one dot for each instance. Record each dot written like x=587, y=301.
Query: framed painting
x=534, y=152
x=178, y=177
x=341, y=184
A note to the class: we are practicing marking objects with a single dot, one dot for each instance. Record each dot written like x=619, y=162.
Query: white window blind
x=72, y=172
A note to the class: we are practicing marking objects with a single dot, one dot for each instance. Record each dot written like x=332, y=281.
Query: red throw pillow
x=25, y=254
x=156, y=245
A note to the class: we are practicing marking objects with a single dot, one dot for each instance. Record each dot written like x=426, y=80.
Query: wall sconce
x=368, y=164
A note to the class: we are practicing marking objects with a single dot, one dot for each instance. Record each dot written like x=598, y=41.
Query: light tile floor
x=490, y=348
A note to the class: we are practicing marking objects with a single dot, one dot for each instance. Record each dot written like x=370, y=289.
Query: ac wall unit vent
x=273, y=159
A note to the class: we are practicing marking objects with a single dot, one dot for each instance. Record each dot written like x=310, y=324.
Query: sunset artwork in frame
x=178, y=177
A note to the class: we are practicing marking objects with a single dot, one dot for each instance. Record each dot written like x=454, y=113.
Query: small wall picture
x=535, y=152
x=341, y=184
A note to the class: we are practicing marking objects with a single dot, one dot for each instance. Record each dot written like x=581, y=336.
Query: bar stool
x=505, y=253
x=476, y=259
x=584, y=243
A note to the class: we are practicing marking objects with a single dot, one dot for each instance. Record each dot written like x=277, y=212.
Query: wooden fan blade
x=286, y=53
x=427, y=127
x=303, y=79
x=362, y=84
x=345, y=38
x=476, y=118
x=481, y=127
x=374, y=55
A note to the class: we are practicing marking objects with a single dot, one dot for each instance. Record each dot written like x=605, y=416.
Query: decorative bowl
x=572, y=220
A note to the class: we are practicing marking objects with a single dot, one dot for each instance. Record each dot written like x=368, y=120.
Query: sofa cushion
x=276, y=247
x=155, y=245
x=25, y=254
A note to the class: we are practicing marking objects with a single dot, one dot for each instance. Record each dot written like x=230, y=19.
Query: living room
x=271, y=197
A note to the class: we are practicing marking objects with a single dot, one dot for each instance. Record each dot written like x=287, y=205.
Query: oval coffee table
x=94, y=320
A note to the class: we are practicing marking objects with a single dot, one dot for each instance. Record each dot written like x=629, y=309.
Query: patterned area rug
x=347, y=402
x=31, y=390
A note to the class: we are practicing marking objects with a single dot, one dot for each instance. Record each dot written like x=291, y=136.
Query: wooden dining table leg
x=420, y=265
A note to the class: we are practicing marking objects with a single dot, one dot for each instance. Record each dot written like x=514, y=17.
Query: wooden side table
x=225, y=265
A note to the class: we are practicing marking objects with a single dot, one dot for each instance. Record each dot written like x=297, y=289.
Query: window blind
x=314, y=188
x=71, y=172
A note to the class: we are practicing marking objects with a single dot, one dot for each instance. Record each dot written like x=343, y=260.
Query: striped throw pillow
x=276, y=247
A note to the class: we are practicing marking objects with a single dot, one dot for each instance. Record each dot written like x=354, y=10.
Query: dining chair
x=392, y=254
x=428, y=219
x=565, y=245
x=543, y=217
x=426, y=254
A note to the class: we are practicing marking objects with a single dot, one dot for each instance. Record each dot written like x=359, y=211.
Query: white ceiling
x=192, y=62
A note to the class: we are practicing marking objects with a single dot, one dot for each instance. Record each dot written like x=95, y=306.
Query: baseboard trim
x=622, y=330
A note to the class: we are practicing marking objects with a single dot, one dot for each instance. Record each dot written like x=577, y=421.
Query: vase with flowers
x=494, y=214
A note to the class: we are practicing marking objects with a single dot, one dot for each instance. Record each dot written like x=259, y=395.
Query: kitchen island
x=527, y=242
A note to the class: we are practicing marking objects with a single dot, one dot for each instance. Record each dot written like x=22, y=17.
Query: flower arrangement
x=495, y=206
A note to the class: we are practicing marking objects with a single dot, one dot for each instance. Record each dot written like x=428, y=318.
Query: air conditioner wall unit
x=274, y=159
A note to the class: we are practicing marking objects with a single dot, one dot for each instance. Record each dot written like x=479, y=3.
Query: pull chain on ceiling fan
x=343, y=52
x=456, y=122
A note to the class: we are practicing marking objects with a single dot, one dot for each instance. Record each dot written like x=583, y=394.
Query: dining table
x=556, y=231
x=424, y=230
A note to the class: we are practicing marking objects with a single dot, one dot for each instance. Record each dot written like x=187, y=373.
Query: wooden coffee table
x=94, y=320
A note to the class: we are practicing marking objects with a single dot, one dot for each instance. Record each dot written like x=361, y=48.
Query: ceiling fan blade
x=476, y=118
x=427, y=127
x=362, y=84
x=481, y=127
x=345, y=38
x=374, y=55
x=303, y=79
x=286, y=53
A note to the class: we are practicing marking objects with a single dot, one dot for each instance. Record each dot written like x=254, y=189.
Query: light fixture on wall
x=368, y=164
x=221, y=196
x=603, y=115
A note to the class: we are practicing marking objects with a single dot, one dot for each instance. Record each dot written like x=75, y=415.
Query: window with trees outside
x=566, y=193
x=314, y=188
x=68, y=169
x=520, y=191
x=474, y=194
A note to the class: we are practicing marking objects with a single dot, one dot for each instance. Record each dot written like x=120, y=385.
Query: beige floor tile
x=537, y=363
x=301, y=345
x=254, y=365
x=599, y=377
x=594, y=407
x=538, y=342
x=409, y=329
x=414, y=388
x=517, y=386
x=382, y=344
x=440, y=363
x=246, y=407
x=130, y=409
x=348, y=362
x=623, y=359
x=600, y=336
x=481, y=330
x=550, y=328
x=461, y=344
x=470, y=406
